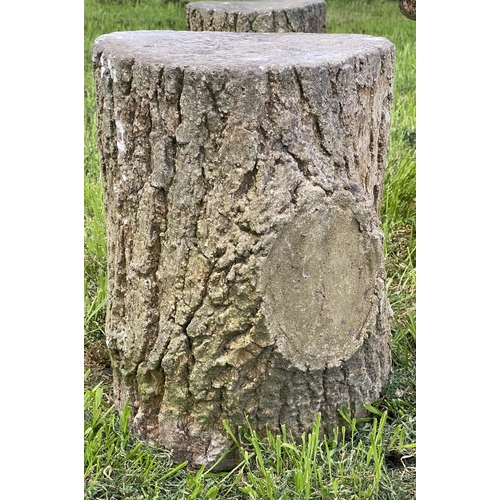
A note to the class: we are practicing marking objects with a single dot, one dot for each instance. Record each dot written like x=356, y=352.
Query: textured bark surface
x=408, y=8
x=243, y=177
x=258, y=16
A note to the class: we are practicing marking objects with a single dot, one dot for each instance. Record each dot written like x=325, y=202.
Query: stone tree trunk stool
x=258, y=16
x=243, y=176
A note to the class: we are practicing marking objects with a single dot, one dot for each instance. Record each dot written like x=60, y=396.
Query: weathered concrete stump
x=243, y=176
x=258, y=16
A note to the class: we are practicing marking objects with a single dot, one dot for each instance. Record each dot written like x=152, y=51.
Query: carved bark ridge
x=258, y=16
x=243, y=176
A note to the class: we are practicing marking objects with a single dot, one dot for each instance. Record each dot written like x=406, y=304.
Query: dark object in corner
x=408, y=8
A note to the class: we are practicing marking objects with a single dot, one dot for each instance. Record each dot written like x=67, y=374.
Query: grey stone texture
x=258, y=16
x=243, y=177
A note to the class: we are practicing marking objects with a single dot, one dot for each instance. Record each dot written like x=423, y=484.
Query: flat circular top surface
x=228, y=49
x=253, y=5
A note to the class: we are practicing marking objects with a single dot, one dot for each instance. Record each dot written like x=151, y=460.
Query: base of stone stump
x=258, y=16
x=243, y=176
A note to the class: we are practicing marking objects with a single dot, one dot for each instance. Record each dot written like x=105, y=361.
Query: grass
x=369, y=459
x=356, y=463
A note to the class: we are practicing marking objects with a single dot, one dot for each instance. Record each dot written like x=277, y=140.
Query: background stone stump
x=258, y=16
x=408, y=8
x=243, y=177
